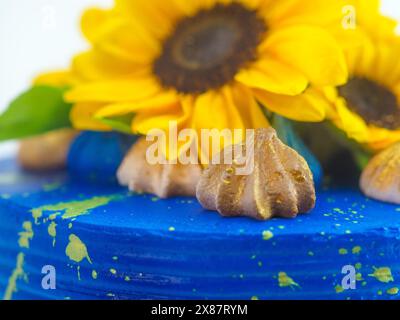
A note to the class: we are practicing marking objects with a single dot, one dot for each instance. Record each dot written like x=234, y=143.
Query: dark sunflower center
x=375, y=103
x=207, y=50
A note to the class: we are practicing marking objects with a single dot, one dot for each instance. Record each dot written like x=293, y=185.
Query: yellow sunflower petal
x=92, y=22
x=158, y=103
x=97, y=65
x=358, y=48
x=397, y=88
x=161, y=118
x=313, y=12
x=339, y=113
x=143, y=124
x=128, y=39
x=311, y=50
x=253, y=4
x=120, y=35
x=386, y=67
x=114, y=91
x=274, y=76
x=354, y=126
x=156, y=16
x=369, y=16
x=309, y=106
x=82, y=117
x=56, y=78
x=189, y=8
x=216, y=110
x=249, y=108
x=178, y=115
x=209, y=112
x=235, y=117
x=380, y=138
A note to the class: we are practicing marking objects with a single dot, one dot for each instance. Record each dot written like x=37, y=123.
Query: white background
x=41, y=35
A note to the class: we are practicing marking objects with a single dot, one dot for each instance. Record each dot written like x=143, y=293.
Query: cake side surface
x=105, y=243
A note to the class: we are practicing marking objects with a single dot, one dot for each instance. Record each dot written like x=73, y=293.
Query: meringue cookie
x=280, y=184
x=380, y=179
x=163, y=180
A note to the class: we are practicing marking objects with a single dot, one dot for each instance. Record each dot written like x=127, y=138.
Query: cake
x=107, y=243
x=195, y=149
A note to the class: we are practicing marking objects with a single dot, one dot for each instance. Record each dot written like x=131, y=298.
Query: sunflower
x=370, y=21
x=204, y=64
x=367, y=108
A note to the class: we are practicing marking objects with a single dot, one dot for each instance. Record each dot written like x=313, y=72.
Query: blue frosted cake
x=107, y=243
x=194, y=150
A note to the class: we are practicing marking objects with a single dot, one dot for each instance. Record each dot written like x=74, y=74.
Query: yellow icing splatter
x=73, y=209
x=356, y=250
x=51, y=229
x=339, y=289
x=36, y=214
x=76, y=250
x=51, y=186
x=113, y=271
x=127, y=278
x=78, y=269
x=26, y=235
x=343, y=251
x=267, y=235
x=393, y=291
x=383, y=274
x=24, y=238
x=254, y=298
x=338, y=210
x=16, y=274
x=171, y=229
x=358, y=265
x=286, y=281
x=94, y=274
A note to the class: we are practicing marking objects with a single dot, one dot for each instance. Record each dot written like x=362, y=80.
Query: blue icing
x=142, y=247
x=97, y=155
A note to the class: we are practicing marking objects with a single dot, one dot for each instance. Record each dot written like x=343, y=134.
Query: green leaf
x=360, y=154
x=36, y=111
x=119, y=123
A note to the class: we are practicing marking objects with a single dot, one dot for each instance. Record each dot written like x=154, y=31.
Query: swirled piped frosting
x=280, y=184
x=380, y=179
x=163, y=180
